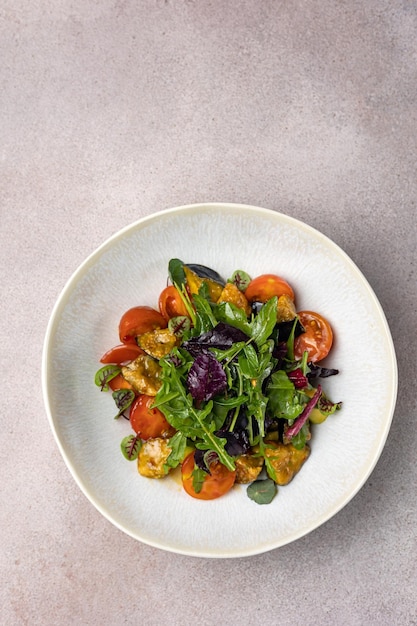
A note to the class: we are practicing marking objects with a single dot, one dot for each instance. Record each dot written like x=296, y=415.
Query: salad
x=223, y=381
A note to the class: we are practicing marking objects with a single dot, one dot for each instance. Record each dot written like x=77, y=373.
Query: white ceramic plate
x=130, y=269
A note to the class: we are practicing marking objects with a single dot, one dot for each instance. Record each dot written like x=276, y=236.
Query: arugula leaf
x=204, y=320
x=198, y=424
x=178, y=445
x=264, y=323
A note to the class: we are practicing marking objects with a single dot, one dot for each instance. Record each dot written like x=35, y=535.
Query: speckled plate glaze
x=130, y=269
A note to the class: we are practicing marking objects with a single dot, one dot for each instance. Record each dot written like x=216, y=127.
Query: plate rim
x=83, y=268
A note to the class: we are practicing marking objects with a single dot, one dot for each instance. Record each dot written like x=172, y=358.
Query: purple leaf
x=206, y=378
x=317, y=371
x=297, y=377
x=222, y=336
x=301, y=419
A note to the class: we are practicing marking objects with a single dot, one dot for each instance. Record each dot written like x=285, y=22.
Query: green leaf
x=290, y=341
x=178, y=444
x=199, y=476
x=299, y=440
x=326, y=406
x=256, y=406
x=176, y=272
x=123, y=399
x=249, y=362
x=105, y=374
x=130, y=447
x=262, y=491
x=240, y=279
x=204, y=318
x=229, y=313
x=284, y=400
x=264, y=323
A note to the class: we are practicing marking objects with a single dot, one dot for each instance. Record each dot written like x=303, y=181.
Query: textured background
x=113, y=110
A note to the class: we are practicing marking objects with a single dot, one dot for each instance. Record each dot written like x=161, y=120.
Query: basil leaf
x=262, y=491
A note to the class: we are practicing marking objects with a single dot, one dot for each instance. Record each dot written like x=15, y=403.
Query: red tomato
x=121, y=354
x=317, y=339
x=147, y=422
x=118, y=382
x=266, y=286
x=139, y=320
x=216, y=484
x=171, y=304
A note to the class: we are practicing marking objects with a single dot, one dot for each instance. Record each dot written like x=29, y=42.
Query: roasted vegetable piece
x=206, y=272
x=286, y=311
x=248, y=468
x=286, y=460
x=194, y=282
x=158, y=343
x=143, y=374
x=152, y=458
x=232, y=294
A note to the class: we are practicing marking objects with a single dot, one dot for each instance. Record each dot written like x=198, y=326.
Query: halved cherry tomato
x=216, y=484
x=317, y=339
x=266, y=286
x=121, y=354
x=171, y=304
x=139, y=320
x=147, y=422
x=119, y=382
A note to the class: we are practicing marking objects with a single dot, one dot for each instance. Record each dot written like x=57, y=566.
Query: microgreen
x=130, y=447
x=241, y=279
x=123, y=398
x=105, y=374
x=262, y=491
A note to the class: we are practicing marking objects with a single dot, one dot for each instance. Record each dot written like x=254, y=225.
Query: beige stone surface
x=113, y=110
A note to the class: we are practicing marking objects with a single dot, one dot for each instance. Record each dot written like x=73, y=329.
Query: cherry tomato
x=139, y=320
x=266, y=286
x=119, y=382
x=216, y=484
x=121, y=354
x=317, y=339
x=147, y=422
x=171, y=304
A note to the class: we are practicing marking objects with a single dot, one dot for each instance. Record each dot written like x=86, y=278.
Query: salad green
x=233, y=388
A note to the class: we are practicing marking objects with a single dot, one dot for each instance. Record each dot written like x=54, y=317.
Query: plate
x=130, y=269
